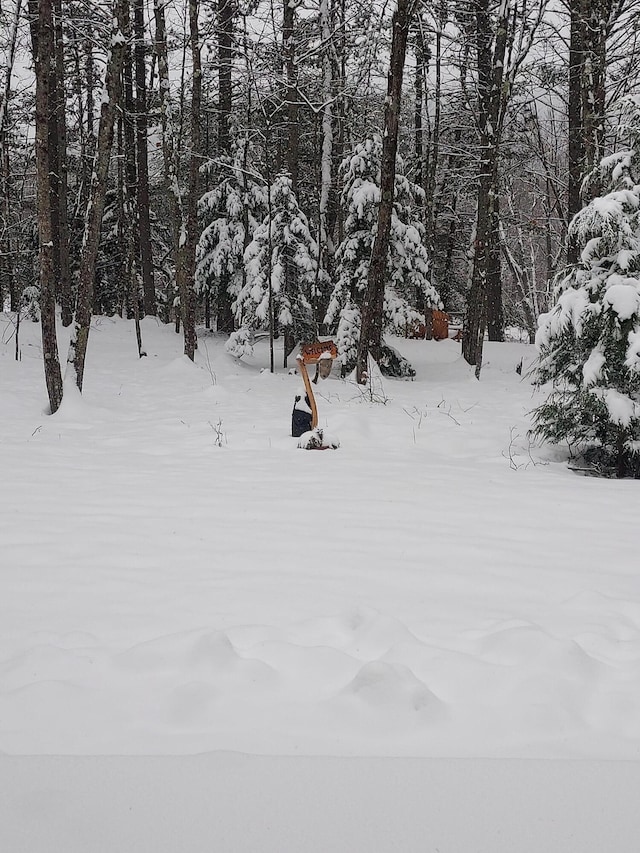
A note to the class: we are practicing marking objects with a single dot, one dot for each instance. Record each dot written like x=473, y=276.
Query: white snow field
x=438, y=617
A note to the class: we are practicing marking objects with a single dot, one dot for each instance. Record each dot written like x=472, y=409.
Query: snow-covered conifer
x=408, y=284
x=230, y=213
x=589, y=342
x=281, y=265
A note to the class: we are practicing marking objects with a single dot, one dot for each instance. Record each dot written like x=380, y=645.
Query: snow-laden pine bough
x=304, y=419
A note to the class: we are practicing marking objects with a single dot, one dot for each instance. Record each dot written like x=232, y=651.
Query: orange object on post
x=312, y=353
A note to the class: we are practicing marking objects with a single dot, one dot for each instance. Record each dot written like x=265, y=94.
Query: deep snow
x=176, y=577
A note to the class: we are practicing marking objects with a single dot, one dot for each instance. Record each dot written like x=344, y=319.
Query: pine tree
x=281, y=266
x=590, y=341
x=407, y=271
x=230, y=212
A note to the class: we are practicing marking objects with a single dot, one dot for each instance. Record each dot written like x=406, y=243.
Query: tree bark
x=169, y=146
x=591, y=23
x=291, y=91
x=227, y=12
x=484, y=307
x=144, y=224
x=91, y=238
x=190, y=229
x=132, y=217
x=59, y=196
x=6, y=263
x=373, y=306
x=576, y=137
x=326, y=247
x=42, y=37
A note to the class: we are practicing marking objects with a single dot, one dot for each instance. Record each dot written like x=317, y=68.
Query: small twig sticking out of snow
x=532, y=461
x=513, y=435
x=446, y=412
x=418, y=412
x=221, y=439
x=214, y=378
x=511, y=453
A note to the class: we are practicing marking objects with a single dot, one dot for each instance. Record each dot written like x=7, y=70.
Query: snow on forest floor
x=177, y=577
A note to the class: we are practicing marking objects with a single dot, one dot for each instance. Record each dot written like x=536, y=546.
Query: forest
x=426, y=638
x=333, y=168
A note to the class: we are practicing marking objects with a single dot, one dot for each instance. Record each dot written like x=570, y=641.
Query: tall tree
x=6, y=265
x=590, y=341
x=131, y=208
x=110, y=101
x=141, y=106
x=183, y=207
x=291, y=89
x=592, y=23
x=41, y=15
x=189, y=237
x=58, y=150
x=372, y=309
x=227, y=12
x=503, y=36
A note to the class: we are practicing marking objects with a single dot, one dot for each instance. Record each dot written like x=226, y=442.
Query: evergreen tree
x=231, y=213
x=281, y=273
x=407, y=273
x=590, y=341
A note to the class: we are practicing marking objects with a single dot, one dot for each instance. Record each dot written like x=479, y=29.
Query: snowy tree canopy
x=589, y=342
x=281, y=272
x=408, y=284
x=230, y=213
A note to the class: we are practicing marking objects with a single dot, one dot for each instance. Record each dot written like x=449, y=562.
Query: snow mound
x=393, y=688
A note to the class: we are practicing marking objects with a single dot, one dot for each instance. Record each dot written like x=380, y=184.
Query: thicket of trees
x=296, y=168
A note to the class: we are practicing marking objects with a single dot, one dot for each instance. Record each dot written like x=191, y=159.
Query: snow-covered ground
x=177, y=578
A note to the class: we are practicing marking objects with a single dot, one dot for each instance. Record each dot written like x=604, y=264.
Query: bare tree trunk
x=326, y=247
x=42, y=37
x=291, y=91
x=372, y=310
x=91, y=239
x=132, y=218
x=292, y=137
x=122, y=222
x=169, y=147
x=419, y=86
x=591, y=23
x=59, y=129
x=485, y=294
x=89, y=148
x=227, y=12
x=576, y=137
x=190, y=229
x=335, y=219
x=431, y=158
x=144, y=224
x=6, y=263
